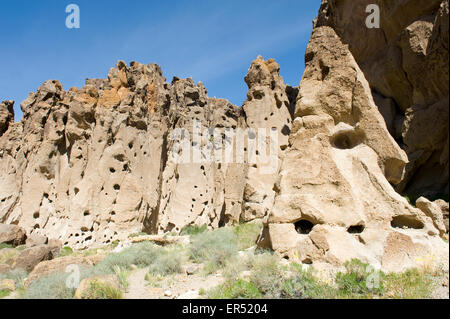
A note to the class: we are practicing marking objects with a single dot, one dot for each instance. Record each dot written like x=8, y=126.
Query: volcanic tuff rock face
x=406, y=65
x=92, y=166
x=334, y=201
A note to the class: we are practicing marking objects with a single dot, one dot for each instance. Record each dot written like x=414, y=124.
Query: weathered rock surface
x=434, y=212
x=30, y=257
x=12, y=235
x=95, y=165
x=6, y=115
x=334, y=201
x=270, y=104
x=35, y=240
x=406, y=64
x=56, y=265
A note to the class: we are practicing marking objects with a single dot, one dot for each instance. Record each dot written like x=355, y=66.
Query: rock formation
x=133, y=153
x=94, y=165
x=405, y=62
x=334, y=200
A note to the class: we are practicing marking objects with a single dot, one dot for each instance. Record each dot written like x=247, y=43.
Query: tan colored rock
x=35, y=240
x=31, y=257
x=8, y=284
x=405, y=62
x=334, y=201
x=270, y=104
x=434, y=212
x=443, y=205
x=12, y=234
x=56, y=265
x=97, y=164
x=6, y=115
x=4, y=268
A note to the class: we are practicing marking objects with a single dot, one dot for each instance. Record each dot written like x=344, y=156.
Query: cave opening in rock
x=405, y=221
x=303, y=226
x=355, y=229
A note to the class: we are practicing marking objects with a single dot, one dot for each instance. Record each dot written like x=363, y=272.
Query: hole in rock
x=285, y=130
x=76, y=190
x=303, y=226
x=112, y=170
x=36, y=215
x=355, y=229
x=405, y=221
x=86, y=213
x=346, y=140
x=116, y=187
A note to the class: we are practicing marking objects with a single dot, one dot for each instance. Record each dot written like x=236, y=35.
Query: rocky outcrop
x=334, y=201
x=12, y=235
x=406, y=64
x=6, y=115
x=319, y=163
x=94, y=165
x=270, y=104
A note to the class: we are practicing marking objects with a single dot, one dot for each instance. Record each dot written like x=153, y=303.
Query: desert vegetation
x=229, y=256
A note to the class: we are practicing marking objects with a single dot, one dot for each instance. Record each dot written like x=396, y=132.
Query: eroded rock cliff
x=405, y=62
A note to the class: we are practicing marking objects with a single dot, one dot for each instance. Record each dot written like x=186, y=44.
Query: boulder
x=12, y=234
x=35, y=240
x=443, y=205
x=31, y=257
x=56, y=265
x=434, y=212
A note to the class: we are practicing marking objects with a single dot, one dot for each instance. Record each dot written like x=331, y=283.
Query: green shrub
x=142, y=255
x=122, y=276
x=192, y=230
x=303, y=285
x=4, y=293
x=18, y=275
x=167, y=263
x=99, y=290
x=247, y=234
x=50, y=287
x=214, y=248
x=239, y=289
x=358, y=279
x=267, y=275
x=412, y=284
x=65, y=251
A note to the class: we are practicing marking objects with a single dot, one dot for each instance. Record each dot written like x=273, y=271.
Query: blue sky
x=209, y=40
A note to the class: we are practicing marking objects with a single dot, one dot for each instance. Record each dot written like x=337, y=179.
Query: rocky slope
x=368, y=124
